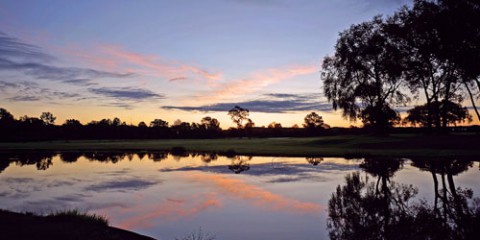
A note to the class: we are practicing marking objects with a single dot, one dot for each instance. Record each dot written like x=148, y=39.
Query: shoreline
x=401, y=145
x=63, y=225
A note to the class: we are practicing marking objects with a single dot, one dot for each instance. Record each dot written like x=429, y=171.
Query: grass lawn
x=402, y=145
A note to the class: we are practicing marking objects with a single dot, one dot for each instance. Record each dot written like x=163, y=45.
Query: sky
x=182, y=59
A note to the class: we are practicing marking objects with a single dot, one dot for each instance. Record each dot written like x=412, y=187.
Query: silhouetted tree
x=117, y=122
x=238, y=115
x=72, y=129
x=72, y=123
x=460, y=33
x=313, y=120
x=31, y=121
x=249, y=124
x=47, y=118
x=365, y=74
x=5, y=117
x=421, y=114
x=274, y=125
x=159, y=123
x=210, y=123
x=420, y=34
x=369, y=117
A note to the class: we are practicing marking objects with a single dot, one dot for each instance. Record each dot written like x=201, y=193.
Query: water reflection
x=42, y=160
x=362, y=209
x=314, y=160
x=166, y=194
x=240, y=164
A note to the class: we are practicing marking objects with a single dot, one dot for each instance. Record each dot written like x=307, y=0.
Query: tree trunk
x=435, y=188
x=472, y=98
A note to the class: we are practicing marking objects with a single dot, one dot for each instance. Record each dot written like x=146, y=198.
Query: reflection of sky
x=277, y=198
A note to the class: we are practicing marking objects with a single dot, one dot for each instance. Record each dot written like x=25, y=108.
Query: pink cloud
x=156, y=66
x=256, y=195
x=116, y=58
x=254, y=82
x=171, y=210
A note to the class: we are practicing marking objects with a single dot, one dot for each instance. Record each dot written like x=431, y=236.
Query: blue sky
x=140, y=60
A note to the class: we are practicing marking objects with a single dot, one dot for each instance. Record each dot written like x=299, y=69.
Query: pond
x=168, y=196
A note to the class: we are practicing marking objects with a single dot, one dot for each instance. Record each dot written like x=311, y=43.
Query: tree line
x=429, y=51
x=44, y=128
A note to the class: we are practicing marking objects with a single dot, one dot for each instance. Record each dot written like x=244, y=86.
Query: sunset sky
x=141, y=60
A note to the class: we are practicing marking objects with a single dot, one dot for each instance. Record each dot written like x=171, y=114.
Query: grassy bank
x=459, y=145
x=61, y=225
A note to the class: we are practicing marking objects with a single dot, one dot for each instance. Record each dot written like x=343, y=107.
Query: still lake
x=168, y=196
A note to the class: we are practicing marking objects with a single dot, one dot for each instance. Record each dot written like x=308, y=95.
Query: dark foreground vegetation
x=429, y=50
x=60, y=226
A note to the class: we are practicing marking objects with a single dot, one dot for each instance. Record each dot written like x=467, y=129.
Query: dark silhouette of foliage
x=313, y=120
x=430, y=68
x=238, y=115
x=274, y=125
x=47, y=118
x=362, y=209
x=455, y=113
x=34, y=129
x=210, y=123
x=5, y=117
x=431, y=47
x=370, y=117
x=159, y=123
x=365, y=74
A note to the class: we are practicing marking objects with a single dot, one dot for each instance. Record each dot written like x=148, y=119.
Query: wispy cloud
x=254, y=82
x=117, y=58
x=158, y=65
x=121, y=185
x=24, y=99
x=126, y=93
x=49, y=72
x=13, y=48
x=80, y=82
x=27, y=91
x=31, y=60
x=269, y=103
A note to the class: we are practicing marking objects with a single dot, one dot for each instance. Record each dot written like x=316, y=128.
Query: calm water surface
x=168, y=197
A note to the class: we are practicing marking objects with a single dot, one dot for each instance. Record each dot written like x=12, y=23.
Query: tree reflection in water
x=41, y=160
x=314, y=160
x=363, y=209
x=240, y=164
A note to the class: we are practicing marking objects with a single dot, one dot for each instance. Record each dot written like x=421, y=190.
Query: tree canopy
x=364, y=74
x=239, y=115
x=313, y=120
x=430, y=51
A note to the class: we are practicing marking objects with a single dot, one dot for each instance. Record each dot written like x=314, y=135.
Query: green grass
x=404, y=145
